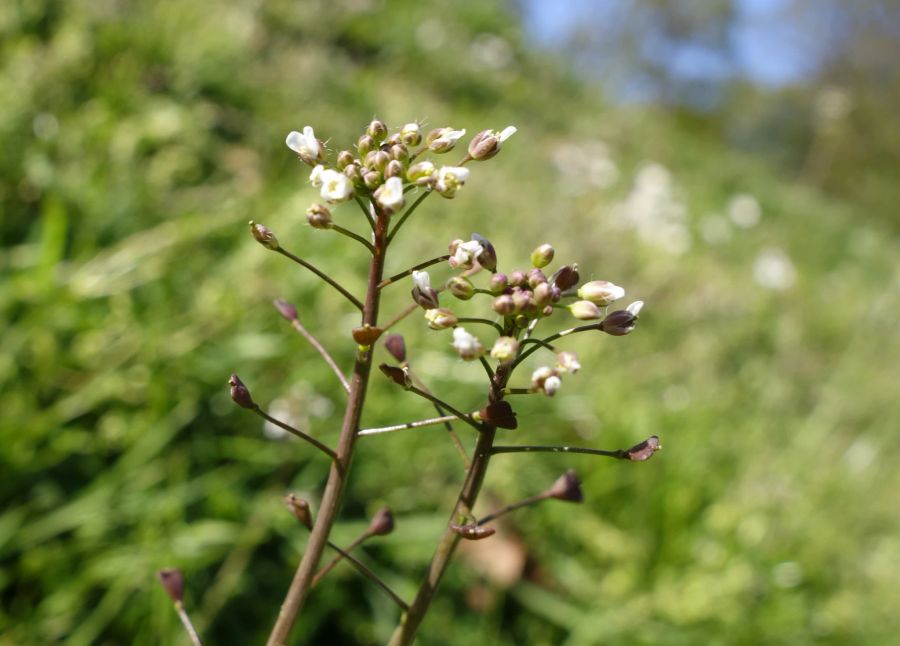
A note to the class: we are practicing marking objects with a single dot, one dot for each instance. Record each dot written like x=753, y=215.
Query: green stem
x=303, y=436
x=357, y=237
x=404, y=274
x=512, y=507
x=618, y=454
x=350, y=297
x=406, y=215
x=462, y=416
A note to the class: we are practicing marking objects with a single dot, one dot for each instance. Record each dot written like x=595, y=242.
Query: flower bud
x=644, y=450
x=497, y=283
x=463, y=254
x=505, y=349
x=521, y=300
x=287, y=310
x=365, y=145
x=300, y=509
x=450, y=179
x=396, y=346
x=585, y=310
x=541, y=294
x=382, y=522
x=517, y=279
x=542, y=256
x=399, y=153
x=264, y=236
x=461, y=287
x=335, y=186
x=547, y=311
x=366, y=335
x=344, y=159
x=440, y=318
x=619, y=323
x=546, y=380
x=372, y=179
x=635, y=308
x=307, y=147
x=568, y=362
x=377, y=130
x=318, y=216
x=600, y=292
x=504, y=305
x=499, y=414
x=422, y=173
x=488, y=257
x=422, y=293
x=353, y=173
x=567, y=488
x=410, y=134
x=487, y=143
x=443, y=140
x=566, y=277
x=378, y=160
x=536, y=277
x=467, y=345
x=240, y=394
x=394, y=169
x=399, y=376
x=172, y=582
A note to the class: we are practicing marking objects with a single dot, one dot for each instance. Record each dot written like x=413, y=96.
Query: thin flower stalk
x=303, y=263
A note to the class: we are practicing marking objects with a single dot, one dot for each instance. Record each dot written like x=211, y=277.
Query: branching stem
x=328, y=279
x=303, y=436
x=404, y=274
x=354, y=236
x=314, y=342
x=403, y=427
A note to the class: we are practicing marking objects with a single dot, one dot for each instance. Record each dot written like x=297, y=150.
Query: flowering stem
x=337, y=477
x=468, y=495
x=471, y=319
x=350, y=234
x=350, y=297
x=512, y=507
x=487, y=368
x=365, y=211
x=186, y=622
x=554, y=337
x=463, y=416
x=406, y=215
x=404, y=274
x=290, y=429
x=314, y=342
x=619, y=454
x=402, y=427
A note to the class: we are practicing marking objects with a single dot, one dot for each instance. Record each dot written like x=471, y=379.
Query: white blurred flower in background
x=773, y=269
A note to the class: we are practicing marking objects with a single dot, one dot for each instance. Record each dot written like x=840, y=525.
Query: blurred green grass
x=137, y=143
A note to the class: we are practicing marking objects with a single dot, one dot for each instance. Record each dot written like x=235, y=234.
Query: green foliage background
x=139, y=138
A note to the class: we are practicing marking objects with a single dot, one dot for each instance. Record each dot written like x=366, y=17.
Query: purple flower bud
x=287, y=310
x=472, y=532
x=521, y=299
x=518, y=278
x=264, y=236
x=504, y=305
x=487, y=143
x=488, y=257
x=619, y=323
x=173, y=583
x=644, y=450
x=567, y=487
x=240, y=394
x=382, y=522
x=542, y=256
x=536, y=277
x=425, y=297
x=300, y=509
x=396, y=346
x=566, y=277
x=498, y=283
x=541, y=294
x=393, y=169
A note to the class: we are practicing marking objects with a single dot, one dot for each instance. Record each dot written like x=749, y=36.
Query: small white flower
x=507, y=132
x=465, y=254
x=635, y=308
x=445, y=140
x=568, y=362
x=305, y=145
x=505, y=349
x=451, y=179
x=540, y=375
x=600, y=292
x=466, y=345
x=315, y=177
x=551, y=385
x=421, y=279
x=390, y=194
x=336, y=186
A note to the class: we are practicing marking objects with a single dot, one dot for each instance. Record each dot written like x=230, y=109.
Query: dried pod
x=382, y=522
x=499, y=414
x=395, y=344
x=172, y=582
x=644, y=450
x=619, y=323
x=264, y=236
x=472, y=532
x=287, y=310
x=300, y=509
x=240, y=394
x=566, y=277
x=488, y=257
x=567, y=487
x=399, y=376
x=366, y=335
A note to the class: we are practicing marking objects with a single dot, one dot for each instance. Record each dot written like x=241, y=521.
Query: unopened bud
x=585, y=310
x=366, y=335
x=172, y=582
x=318, y=216
x=505, y=349
x=300, y=509
x=619, y=323
x=377, y=160
x=377, y=130
x=600, y=292
x=443, y=140
x=393, y=169
x=487, y=143
x=422, y=173
x=287, y=310
x=400, y=153
x=399, y=376
x=372, y=179
x=344, y=159
x=504, y=305
x=521, y=300
x=472, y=532
x=536, y=277
x=644, y=450
x=353, y=173
x=382, y=522
x=498, y=283
x=541, y=294
x=542, y=256
x=365, y=145
x=566, y=277
x=518, y=279
x=461, y=287
x=568, y=362
x=410, y=134
x=240, y=394
x=567, y=487
x=488, y=257
x=440, y=318
x=499, y=414
x=264, y=236
x=396, y=346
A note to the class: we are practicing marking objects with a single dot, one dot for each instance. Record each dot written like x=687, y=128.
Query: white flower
x=445, y=140
x=315, y=177
x=336, y=186
x=390, y=194
x=600, y=292
x=505, y=349
x=467, y=345
x=551, y=385
x=305, y=145
x=450, y=179
x=507, y=132
x=568, y=362
x=465, y=253
x=421, y=279
x=635, y=308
